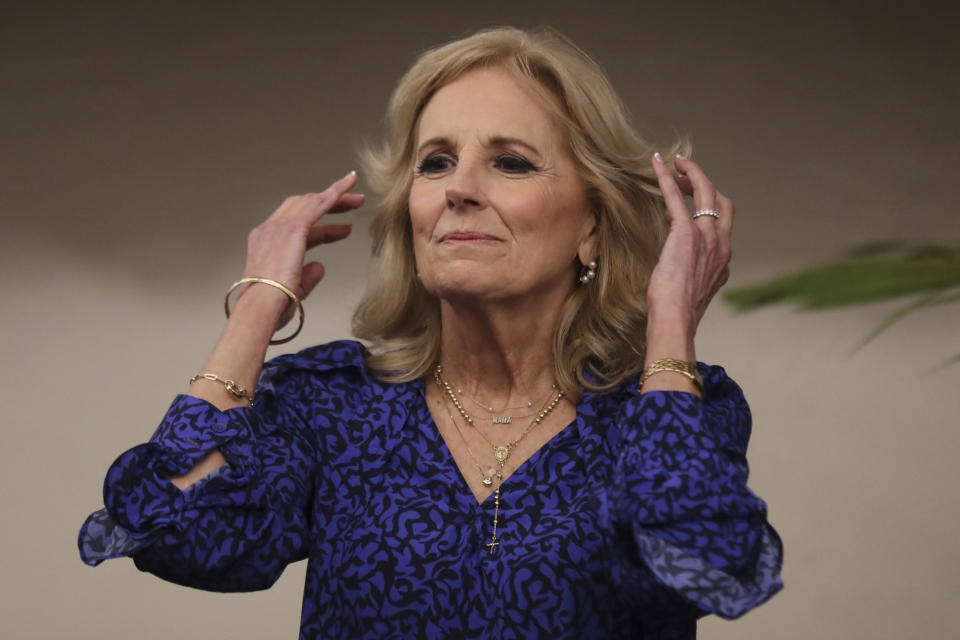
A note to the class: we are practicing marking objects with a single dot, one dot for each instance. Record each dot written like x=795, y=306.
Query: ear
x=587, y=249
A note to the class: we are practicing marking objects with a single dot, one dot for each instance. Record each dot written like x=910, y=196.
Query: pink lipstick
x=466, y=237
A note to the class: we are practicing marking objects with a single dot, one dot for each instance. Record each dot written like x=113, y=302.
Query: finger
x=338, y=189
x=726, y=210
x=704, y=193
x=327, y=233
x=725, y=226
x=704, y=198
x=348, y=202
x=676, y=209
x=310, y=207
x=685, y=185
x=311, y=276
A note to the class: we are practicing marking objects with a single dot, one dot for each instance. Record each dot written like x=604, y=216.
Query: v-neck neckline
x=464, y=489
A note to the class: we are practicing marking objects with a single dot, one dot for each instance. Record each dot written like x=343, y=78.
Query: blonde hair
x=601, y=334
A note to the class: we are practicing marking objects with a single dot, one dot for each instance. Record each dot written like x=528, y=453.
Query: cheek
x=421, y=217
x=546, y=211
x=552, y=230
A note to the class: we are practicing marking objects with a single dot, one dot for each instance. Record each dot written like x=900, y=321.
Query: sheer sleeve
x=237, y=528
x=679, y=507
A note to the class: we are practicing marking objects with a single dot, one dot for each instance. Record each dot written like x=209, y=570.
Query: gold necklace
x=504, y=419
x=486, y=476
x=487, y=480
x=438, y=376
x=500, y=452
x=508, y=419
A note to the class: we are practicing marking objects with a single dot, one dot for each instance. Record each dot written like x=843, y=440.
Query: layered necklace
x=501, y=452
x=505, y=417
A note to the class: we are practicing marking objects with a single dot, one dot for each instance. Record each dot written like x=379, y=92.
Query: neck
x=501, y=352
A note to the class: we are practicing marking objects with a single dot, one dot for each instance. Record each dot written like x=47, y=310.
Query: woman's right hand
x=276, y=248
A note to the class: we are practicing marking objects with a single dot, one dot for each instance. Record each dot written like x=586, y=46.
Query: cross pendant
x=492, y=544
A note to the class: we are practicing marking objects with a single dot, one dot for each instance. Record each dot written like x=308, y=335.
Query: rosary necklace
x=487, y=480
x=500, y=452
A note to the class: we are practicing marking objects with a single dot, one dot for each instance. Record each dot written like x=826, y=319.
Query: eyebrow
x=439, y=141
x=496, y=141
x=503, y=141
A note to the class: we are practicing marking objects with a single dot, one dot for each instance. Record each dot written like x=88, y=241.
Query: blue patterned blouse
x=632, y=522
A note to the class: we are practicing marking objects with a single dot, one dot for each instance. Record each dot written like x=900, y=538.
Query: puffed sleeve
x=237, y=528
x=680, y=508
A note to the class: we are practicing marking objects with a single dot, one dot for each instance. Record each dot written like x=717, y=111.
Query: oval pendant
x=501, y=453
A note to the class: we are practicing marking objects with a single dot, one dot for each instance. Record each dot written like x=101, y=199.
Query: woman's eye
x=434, y=164
x=514, y=164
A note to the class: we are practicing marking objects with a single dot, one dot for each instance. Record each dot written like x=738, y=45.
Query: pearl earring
x=589, y=272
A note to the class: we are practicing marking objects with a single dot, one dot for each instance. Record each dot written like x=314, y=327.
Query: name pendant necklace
x=505, y=417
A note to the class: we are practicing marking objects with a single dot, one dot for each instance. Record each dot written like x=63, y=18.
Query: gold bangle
x=682, y=367
x=273, y=283
x=232, y=387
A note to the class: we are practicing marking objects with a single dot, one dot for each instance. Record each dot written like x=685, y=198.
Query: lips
x=466, y=236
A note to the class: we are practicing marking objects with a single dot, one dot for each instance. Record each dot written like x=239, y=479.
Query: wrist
x=267, y=307
x=266, y=300
x=674, y=375
x=669, y=339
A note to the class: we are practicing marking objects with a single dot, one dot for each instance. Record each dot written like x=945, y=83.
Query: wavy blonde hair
x=600, y=338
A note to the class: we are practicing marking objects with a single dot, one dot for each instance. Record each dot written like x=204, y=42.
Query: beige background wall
x=141, y=141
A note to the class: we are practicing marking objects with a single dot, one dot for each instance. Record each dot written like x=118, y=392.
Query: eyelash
x=521, y=165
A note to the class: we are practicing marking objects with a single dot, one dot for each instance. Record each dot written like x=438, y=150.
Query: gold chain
x=486, y=478
x=504, y=419
x=500, y=452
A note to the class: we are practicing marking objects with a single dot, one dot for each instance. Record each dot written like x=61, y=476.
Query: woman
x=525, y=447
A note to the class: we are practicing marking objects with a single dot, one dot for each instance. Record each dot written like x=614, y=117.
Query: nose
x=463, y=191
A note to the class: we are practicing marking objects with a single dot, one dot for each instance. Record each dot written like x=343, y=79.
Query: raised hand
x=275, y=250
x=277, y=247
x=694, y=262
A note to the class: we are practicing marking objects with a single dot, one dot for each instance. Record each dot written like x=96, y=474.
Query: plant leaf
x=931, y=300
x=871, y=272
x=857, y=280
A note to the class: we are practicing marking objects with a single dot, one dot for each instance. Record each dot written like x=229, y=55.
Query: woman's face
x=496, y=205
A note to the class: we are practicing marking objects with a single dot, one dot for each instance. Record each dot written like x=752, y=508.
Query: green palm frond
x=858, y=279
x=928, y=300
x=870, y=272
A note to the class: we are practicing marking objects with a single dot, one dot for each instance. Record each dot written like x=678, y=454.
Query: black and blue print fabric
x=632, y=522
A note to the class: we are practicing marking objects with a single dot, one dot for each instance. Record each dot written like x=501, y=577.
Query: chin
x=465, y=284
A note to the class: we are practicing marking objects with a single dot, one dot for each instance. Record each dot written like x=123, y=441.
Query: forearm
x=242, y=347
x=238, y=356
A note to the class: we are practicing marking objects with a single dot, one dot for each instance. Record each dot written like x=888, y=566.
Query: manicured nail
x=681, y=157
x=657, y=156
x=352, y=173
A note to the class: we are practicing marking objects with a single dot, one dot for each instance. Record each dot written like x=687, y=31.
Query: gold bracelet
x=273, y=283
x=682, y=367
x=232, y=387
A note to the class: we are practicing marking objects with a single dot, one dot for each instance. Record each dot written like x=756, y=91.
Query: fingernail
x=657, y=156
x=352, y=173
x=681, y=157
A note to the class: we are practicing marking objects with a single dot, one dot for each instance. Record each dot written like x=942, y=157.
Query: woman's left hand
x=694, y=262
